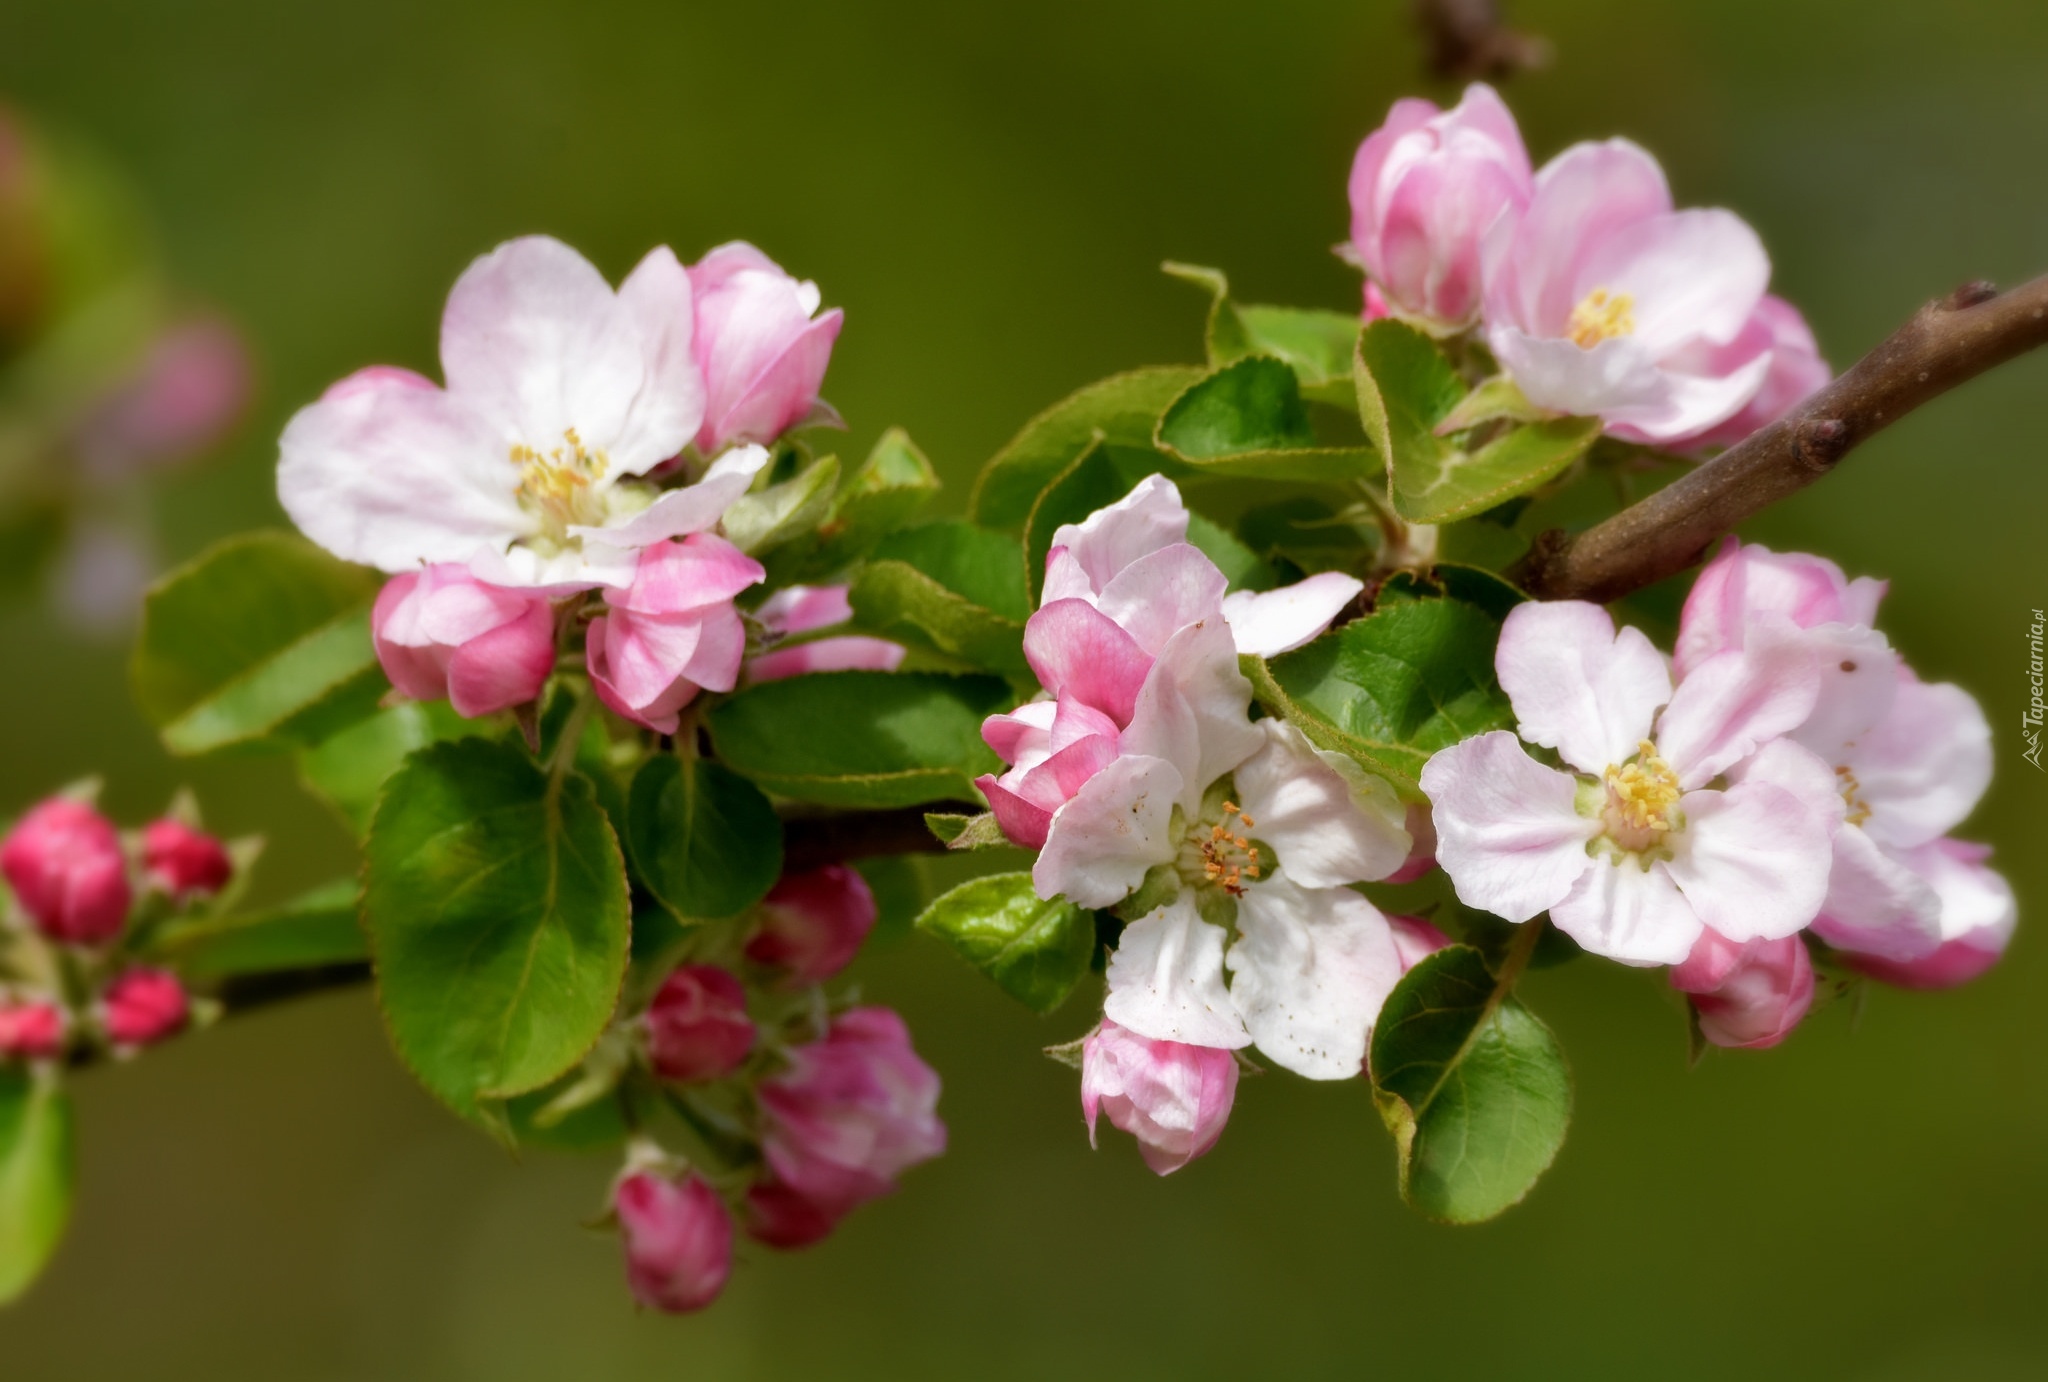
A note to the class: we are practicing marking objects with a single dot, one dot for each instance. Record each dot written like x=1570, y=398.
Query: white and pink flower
x=1747, y=994
x=1632, y=848
x=1173, y=1098
x=560, y=394
x=762, y=346
x=673, y=631
x=798, y=610
x=442, y=634
x=677, y=1236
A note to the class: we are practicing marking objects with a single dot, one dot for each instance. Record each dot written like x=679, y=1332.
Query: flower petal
x=1508, y=833
x=1753, y=861
x=1076, y=650
x=1166, y=980
x=1309, y=972
x=1629, y=912
x=1925, y=768
x=691, y=509
x=1877, y=904
x=1163, y=592
x=1268, y=623
x=1733, y=703
x=1693, y=274
x=1576, y=684
x=1192, y=709
x=1328, y=826
x=1104, y=840
x=1150, y=517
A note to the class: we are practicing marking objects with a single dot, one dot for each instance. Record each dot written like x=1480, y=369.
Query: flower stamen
x=558, y=487
x=1852, y=793
x=1601, y=316
x=1640, y=798
x=1227, y=856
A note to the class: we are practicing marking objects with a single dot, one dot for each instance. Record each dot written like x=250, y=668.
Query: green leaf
x=316, y=928
x=1474, y=585
x=1249, y=420
x=867, y=739
x=349, y=769
x=966, y=832
x=262, y=638
x=971, y=561
x=1490, y=401
x=896, y=600
x=1392, y=688
x=1472, y=1085
x=1408, y=392
x=495, y=899
x=1093, y=480
x=1315, y=343
x=1036, y=951
x=883, y=493
x=764, y=520
x=1123, y=408
x=704, y=840
x=1240, y=565
x=36, y=1173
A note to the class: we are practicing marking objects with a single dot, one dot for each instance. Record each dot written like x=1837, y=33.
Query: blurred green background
x=988, y=190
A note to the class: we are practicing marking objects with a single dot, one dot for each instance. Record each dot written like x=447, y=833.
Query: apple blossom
x=560, y=394
x=812, y=923
x=1602, y=300
x=678, y=1240
x=697, y=1025
x=854, y=1110
x=142, y=1007
x=1797, y=371
x=1746, y=993
x=30, y=1029
x=184, y=862
x=442, y=634
x=63, y=860
x=801, y=609
x=1978, y=913
x=673, y=631
x=761, y=345
x=1173, y=1098
x=1425, y=186
x=1632, y=851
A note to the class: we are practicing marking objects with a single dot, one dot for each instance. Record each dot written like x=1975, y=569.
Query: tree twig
x=810, y=842
x=1946, y=343
x=1467, y=40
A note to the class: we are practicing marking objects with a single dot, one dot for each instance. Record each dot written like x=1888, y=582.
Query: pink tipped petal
x=1556, y=373
x=505, y=667
x=1629, y=911
x=1163, y=592
x=1752, y=861
x=1924, y=769
x=1859, y=682
x=1023, y=823
x=1309, y=973
x=804, y=609
x=1734, y=703
x=1075, y=720
x=1415, y=940
x=1745, y=584
x=1508, y=833
x=1172, y=1097
x=1327, y=826
x=785, y=393
x=1690, y=399
x=697, y=573
x=1266, y=624
x=1166, y=980
x=1150, y=517
x=1104, y=840
x=848, y=653
x=1192, y=708
x=1023, y=734
x=1576, y=684
x=1876, y=904
x=1583, y=195
x=1077, y=650
x=1977, y=917
x=1691, y=273
x=691, y=509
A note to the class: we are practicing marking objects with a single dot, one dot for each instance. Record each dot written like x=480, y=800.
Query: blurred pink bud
x=803, y=609
x=673, y=631
x=1375, y=303
x=1415, y=940
x=678, y=1239
x=1797, y=371
x=1746, y=583
x=1747, y=993
x=442, y=633
x=186, y=392
x=1978, y=913
x=697, y=1025
x=102, y=574
x=143, y=1007
x=812, y=923
x=1174, y=1098
x=1422, y=853
x=1424, y=188
x=762, y=349
x=184, y=862
x=782, y=1218
x=64, y=862
x=31, y=1030
x=852, y=1112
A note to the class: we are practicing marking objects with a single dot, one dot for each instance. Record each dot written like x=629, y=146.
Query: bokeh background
x=988, y=191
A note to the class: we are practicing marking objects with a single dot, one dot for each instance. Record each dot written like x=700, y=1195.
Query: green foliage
x=1240, y=565
x=1249, y=419
x=317, y=928
x=768, y=518
x=1036, y=951
x=1120, y=410
x=966, y=832
x=952, y=587
x=1408, y=392
x=862, y=739
x=1093, y=480
x=1392, y=688
x=348, y=770
x=1315, y=343
x=1472, y=1085
x=704, y=841
x=263, y=638
x=883, y=493
x=495, y=900
x=36, y=1173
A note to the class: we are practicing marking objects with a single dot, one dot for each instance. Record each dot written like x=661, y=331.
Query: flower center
x=1221, y=854
x=560, y=487
x=1601, y=316
x=1640, y=797
x=1852, y=792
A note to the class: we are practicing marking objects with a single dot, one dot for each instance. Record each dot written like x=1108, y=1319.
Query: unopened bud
x=678, y=1239
x=143, y=1007
x=184, y=862
x=63, y=860
x=812, y=923
x=1174, y=1098
x=32, y=1029
x=697, y=1025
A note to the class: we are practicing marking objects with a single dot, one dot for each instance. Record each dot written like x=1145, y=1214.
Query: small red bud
x=63, y=860
x=143, y=1007
x=678, y=1239
x=184, y=862
x=697, y=1025
x=31, y=1030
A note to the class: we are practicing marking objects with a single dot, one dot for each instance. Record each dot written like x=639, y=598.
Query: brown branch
x=1468, y=40
x=810, y=842
x=1945, y=344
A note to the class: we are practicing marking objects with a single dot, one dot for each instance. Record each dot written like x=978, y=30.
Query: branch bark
x=1947, y=343
x=1468, y=40
x=810, y=842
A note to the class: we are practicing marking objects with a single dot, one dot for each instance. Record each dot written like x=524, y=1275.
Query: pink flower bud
x=1172, y=1097
x=442, y=633
x=804, y=609
x=852, y=1112
x=1747, y=994
x=187, y=390
x=1745, y=584
x=1375, y=303
x=31, y=1030
x=673, y=631
x=143, y=1007
x=64, y=862
x=697, y=1025
x=1415, y=940
x=813, y=923
x=678, y=1239
x=1424, y=188
x=184, y=862
x=782, y=1218
x=761, y=348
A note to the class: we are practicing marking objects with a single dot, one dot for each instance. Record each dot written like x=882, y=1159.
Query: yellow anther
x=1640, y=796
x=556, y=487
x=1852, y=793
x=1601, y=316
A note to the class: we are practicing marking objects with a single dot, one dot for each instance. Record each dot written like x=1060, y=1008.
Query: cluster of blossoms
x=1595, y=296
x=587, y=443
x=81, y=895
x=817, y=1115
